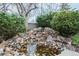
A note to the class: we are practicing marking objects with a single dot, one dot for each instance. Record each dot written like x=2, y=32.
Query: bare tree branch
x=4, y=7
x=17, y=6
x=31, y=10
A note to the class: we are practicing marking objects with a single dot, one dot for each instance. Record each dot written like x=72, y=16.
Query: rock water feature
x=31, y=49
x=39, y=41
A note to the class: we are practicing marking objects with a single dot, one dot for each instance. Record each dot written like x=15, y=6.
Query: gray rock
x=70, y=47
x=60, y=45
x=32, y=36
x=67, y=40
x=50, y=39
x=50, y=31
x=60, y=38
x=16, y=53
x=77, y=50
x=38, y=35
x=67, y=52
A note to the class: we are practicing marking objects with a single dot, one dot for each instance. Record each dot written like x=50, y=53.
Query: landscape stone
x=25, y=44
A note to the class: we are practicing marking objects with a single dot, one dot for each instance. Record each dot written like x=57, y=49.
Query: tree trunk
x=25, y=21
x=24, y=12
x=26, y=24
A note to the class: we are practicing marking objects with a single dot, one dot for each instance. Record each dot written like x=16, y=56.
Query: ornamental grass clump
x=47, y=50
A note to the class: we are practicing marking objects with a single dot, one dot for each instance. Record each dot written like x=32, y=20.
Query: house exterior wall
x=31, y=26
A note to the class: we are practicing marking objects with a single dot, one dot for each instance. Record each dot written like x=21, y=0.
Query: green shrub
x=75, y=39
x=44, y=20
x=66, y=22
x=10, y=25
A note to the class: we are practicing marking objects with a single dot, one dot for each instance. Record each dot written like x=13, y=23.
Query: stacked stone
x=41, y=34
x=18, y=45
x=15, y=47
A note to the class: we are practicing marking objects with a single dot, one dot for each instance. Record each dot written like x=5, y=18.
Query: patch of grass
x=75, y=39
